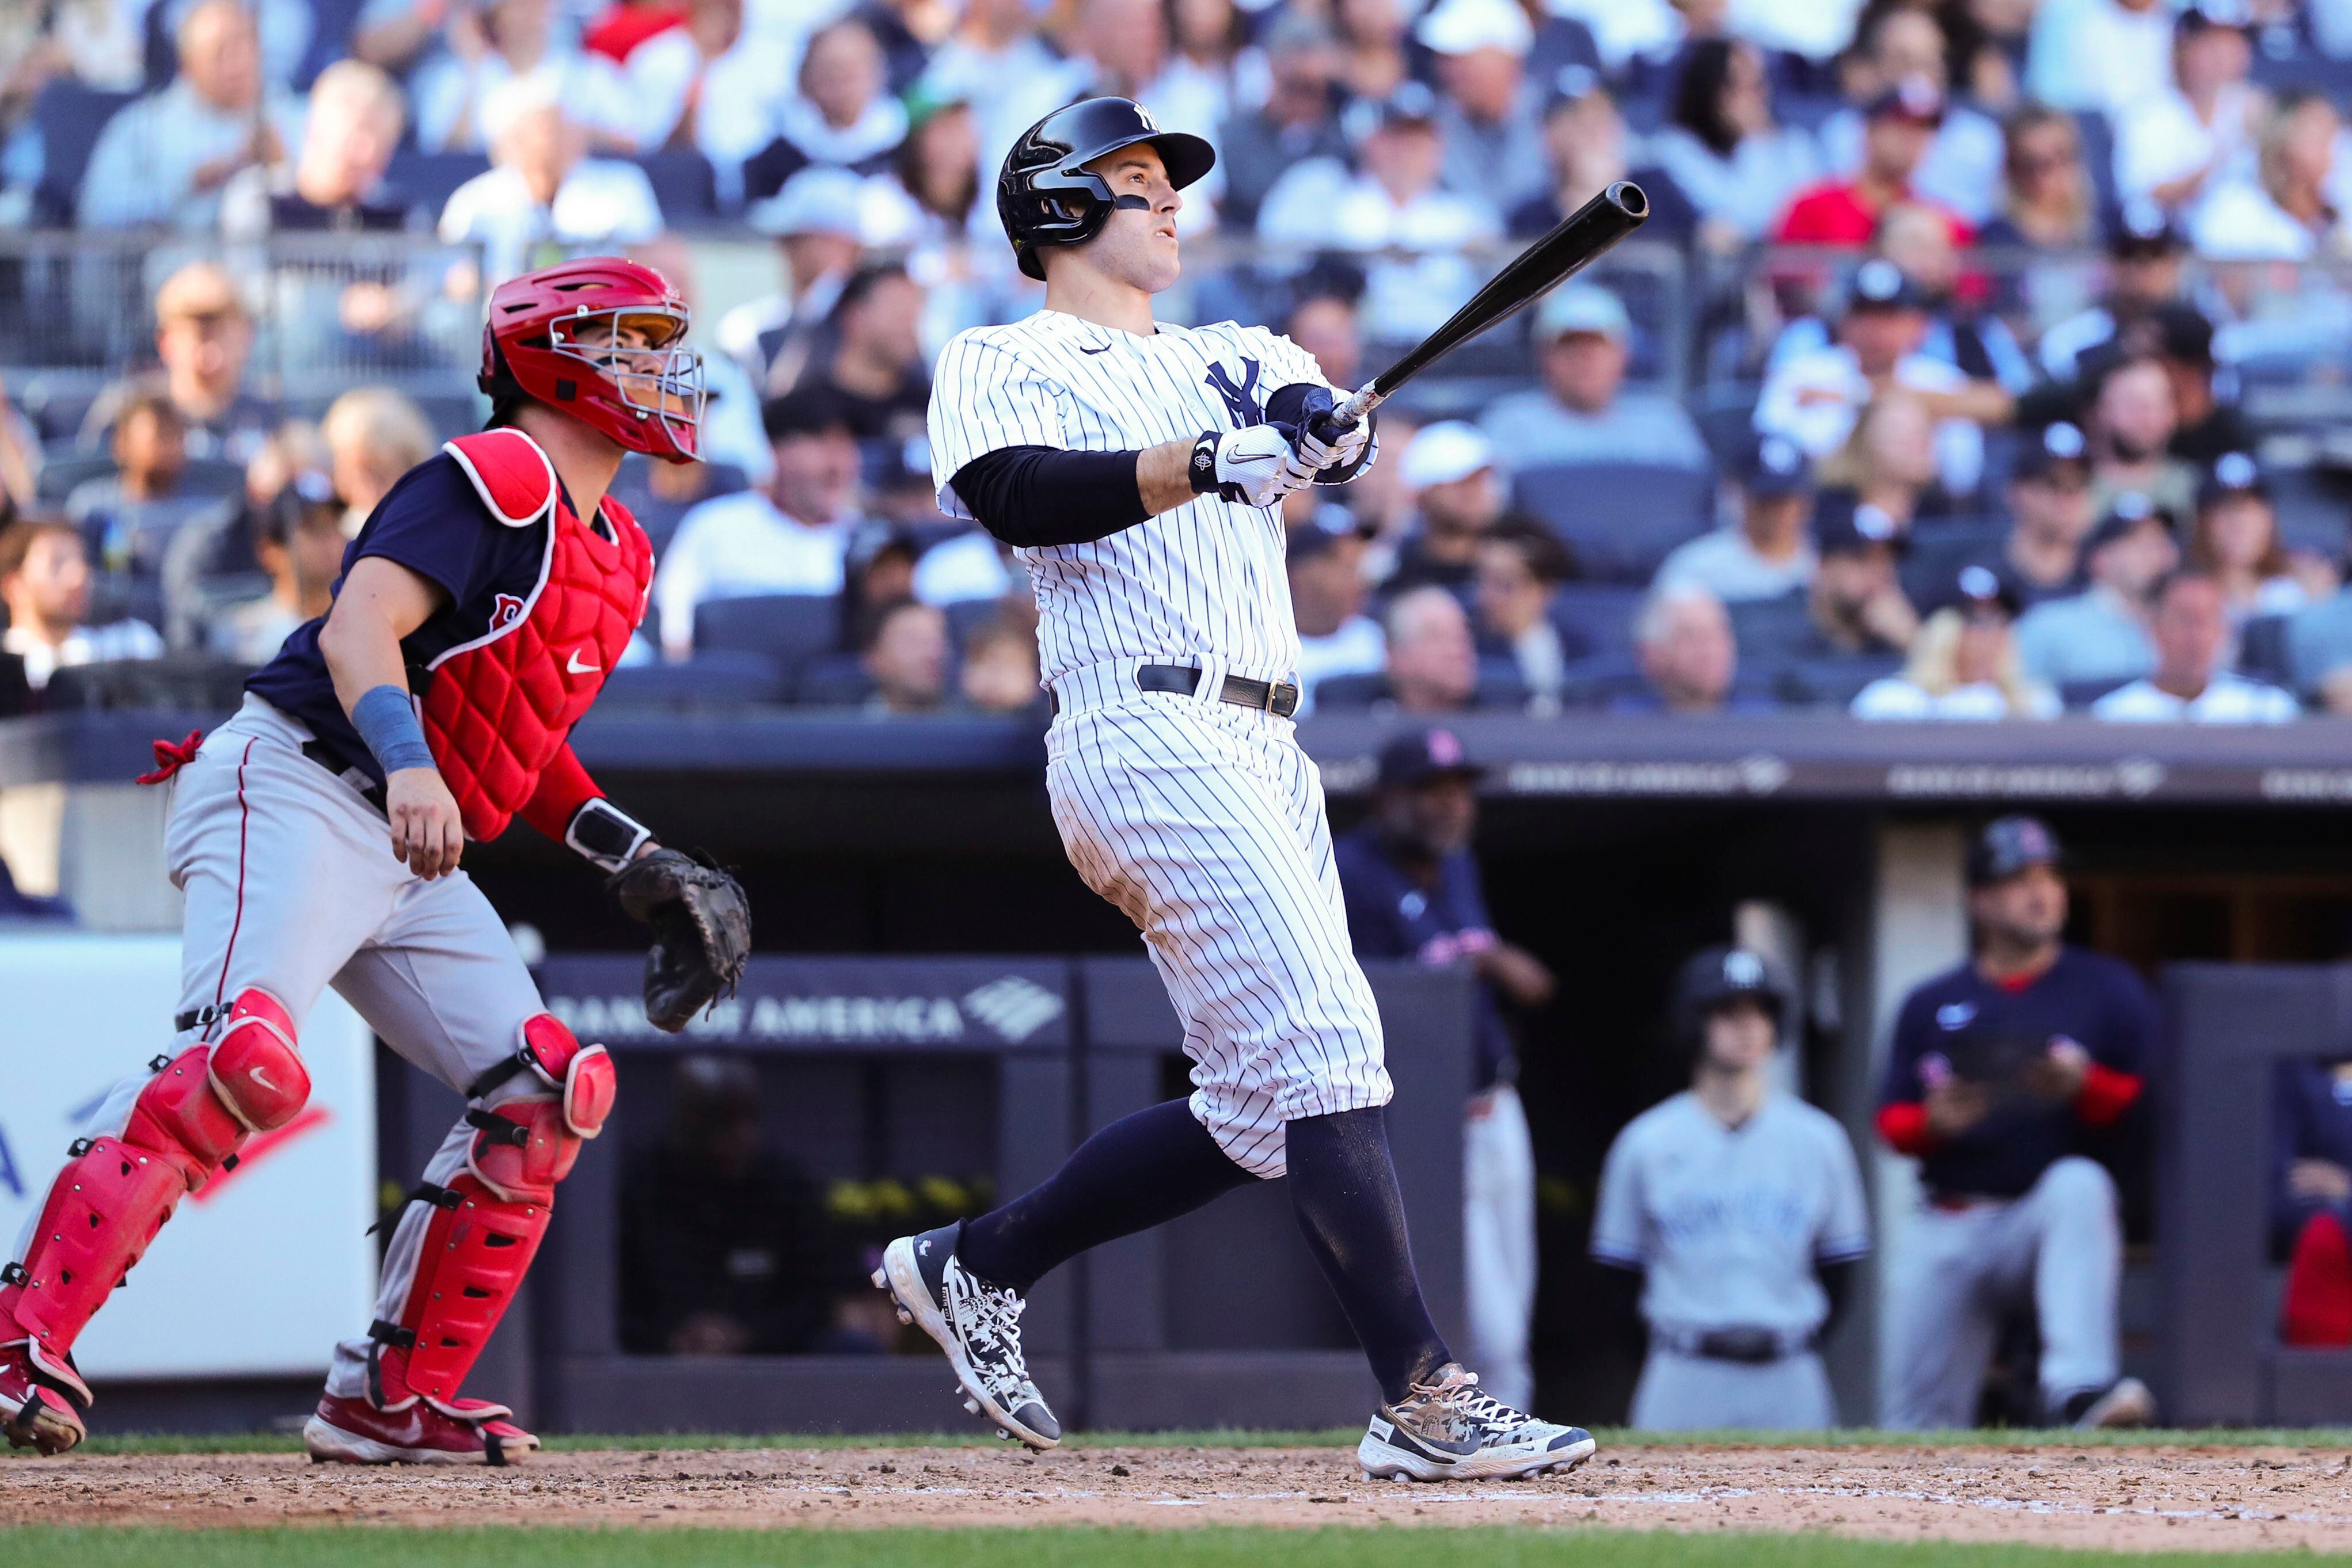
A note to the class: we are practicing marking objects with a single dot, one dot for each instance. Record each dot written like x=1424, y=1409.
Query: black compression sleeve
x=1042, y=496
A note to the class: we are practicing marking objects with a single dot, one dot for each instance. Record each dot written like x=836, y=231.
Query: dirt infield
x=2206, y=1499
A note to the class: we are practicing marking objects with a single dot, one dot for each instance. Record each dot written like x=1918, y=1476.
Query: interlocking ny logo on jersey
x=1241, y=402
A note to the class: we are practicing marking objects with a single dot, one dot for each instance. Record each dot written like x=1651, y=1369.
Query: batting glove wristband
x=1254, y=466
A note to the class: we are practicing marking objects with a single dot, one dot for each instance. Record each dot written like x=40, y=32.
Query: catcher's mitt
x=702, y=931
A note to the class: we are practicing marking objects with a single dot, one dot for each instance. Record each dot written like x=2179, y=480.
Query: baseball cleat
x=979, y=1326
x=2124, y=1402
x=1451, y=1430
x=37, y=1401
x=469, y=1432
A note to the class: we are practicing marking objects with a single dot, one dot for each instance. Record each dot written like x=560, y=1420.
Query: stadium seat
x=789, y=628
x=2262, y=650
x=2080, y=695
x=1596, y=619
x=836, y=679
x=684, y=185
x=1621, y=518
x=706, y=681
x=1831, y=683
x=429, y=179
x=68, y=117
x=2312, y=508
x=1761, y=626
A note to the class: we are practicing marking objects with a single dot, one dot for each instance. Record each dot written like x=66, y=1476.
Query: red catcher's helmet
x=559, y=335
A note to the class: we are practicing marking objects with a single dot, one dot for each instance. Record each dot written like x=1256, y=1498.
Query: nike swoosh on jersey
x=574, y=666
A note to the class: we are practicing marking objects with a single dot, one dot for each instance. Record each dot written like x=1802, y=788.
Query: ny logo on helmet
x=1144, y=115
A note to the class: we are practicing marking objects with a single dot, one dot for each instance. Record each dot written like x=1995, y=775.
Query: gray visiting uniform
x=1728, y=1224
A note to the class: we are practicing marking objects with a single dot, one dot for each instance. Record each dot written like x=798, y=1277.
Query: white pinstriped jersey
x=1205, y=579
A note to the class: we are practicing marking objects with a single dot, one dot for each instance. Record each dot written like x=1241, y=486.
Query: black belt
x=350, y=772
x=1738, y=1343
x=1279, y=698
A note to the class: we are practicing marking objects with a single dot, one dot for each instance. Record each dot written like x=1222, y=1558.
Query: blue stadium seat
x=706, y=681
x=789, y=628
x=429, y=178
x=836, y=680
x=68, y=117
x=966, y=616
x=2080, y=695
x=684, y=185
x=1596, y=619
x=1621, y=518
x=2262, y=650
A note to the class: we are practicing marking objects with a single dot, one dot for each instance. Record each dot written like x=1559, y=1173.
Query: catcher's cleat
x=38, y=1404
x=2122, y=1405
x=1451, y=1430
x=979, y=1326
x=423, y=1432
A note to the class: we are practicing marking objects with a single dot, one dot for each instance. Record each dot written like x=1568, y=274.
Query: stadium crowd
x=1975, y=292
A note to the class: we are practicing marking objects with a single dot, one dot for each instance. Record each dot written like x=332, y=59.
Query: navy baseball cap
x=2131, y=512
x=2140, y=229
x=2233, y=474
x=2008, y=845
x=1410, y=104
x=1879, y=285
x=1912, y=98
x=1774, y=465
x=1865, y=527
x=1978, y=586
x=1419, y=755
x=2060, y=447
x=2202, y=16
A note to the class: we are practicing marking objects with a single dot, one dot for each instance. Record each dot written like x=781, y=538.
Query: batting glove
x=1254, y=466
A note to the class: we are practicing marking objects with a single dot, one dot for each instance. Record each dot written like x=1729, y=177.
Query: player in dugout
x=2007, y=1079
x=317, y=836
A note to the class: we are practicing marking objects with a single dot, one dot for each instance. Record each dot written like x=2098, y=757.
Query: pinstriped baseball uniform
x=1202, y=820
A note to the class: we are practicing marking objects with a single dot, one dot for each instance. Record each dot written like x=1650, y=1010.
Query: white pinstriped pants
x=1203, y=822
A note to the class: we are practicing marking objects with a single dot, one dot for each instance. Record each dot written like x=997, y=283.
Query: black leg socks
x=1343, y=1186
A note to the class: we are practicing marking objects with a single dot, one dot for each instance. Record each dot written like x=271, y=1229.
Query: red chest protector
x=499, y=709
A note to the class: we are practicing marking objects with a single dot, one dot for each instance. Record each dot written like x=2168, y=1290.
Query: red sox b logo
x=505, y=611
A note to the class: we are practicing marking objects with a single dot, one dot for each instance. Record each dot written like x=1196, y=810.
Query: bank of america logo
x=1012, y=1006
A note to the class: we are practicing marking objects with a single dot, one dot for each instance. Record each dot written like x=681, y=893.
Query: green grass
x=366, y=1546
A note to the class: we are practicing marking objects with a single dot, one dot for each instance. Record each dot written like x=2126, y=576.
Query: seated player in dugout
x=2009, y=1079
x=1140, y=469
x=1738, y=1212
x=317, y=836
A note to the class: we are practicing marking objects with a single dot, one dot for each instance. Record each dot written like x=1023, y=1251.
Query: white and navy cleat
x=1451, y=1430
x=977, y=1324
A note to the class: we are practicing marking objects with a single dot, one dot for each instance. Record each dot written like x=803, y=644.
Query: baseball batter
x=1138, y=469
x=317, y=835
x=1743, y=1211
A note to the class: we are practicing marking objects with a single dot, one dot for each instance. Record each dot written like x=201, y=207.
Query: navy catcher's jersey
x=433, y=523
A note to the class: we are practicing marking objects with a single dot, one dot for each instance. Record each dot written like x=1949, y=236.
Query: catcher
x=317, y=836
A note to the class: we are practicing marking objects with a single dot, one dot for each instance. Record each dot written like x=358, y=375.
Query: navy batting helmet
x=1046, y=196
x=1717, y=976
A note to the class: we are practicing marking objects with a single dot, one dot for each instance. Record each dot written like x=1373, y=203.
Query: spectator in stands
x=2191, y=628
x=1327, y=597
x=1488, y=110
x=20, y=461
x=2236, y=541
x=709, y=85
x=2101, y=633
x=2206, y=428
x=842, y=115
x=1298, y=121
x=1769, y=553
x=2049, y=515
x=130, y=516
x=1450, y=470
x=2007, y=1075
x=1325, y=325
x=2145, y=251
x=203, y=338
x=1974, y=341
x=1414, y=891
x=2133, y=420
x=928, y=200
x=1963, y=662
x=1898, y=130
x=816, y=223
x=2198, y=131
x=1888, y=464
x=2290, y=210
x=542, y=189
x=44, y=583
x=905, y=653
x=791, y=536
x=878, y=568
x=1855, y=605
x=1123, y=47
x=1372, y=37
x=1726, y=152
x=1590, y=150
x=165, y=158
x=2099, y=54
x=95, y=42
x=1582, y=413
x=877, y=374
x=2311, y=1159
x=335, y=182
x=998, y=673
x=1960, y=170
x=1433, y=664
x=1687, y=653
x=502, y=48
x=2049, y=197
x=373, y=436
x=1521, y=565
x=995, y=61
x=299, y=543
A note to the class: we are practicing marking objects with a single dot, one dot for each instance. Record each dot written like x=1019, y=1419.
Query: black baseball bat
x=1583, y=235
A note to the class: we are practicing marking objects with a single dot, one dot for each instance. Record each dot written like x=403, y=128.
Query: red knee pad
x=581, y=1075
x=255, y=1068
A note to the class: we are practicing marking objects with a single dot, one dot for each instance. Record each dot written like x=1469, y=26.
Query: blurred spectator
x=879, y=374
x=1326, y=596
x=1888, y=464
x=2310, y=1161
x=130, y=515
x=931, y=196
x=1725, y=151
x=1582, y=413
x=1521, y=565
x=203, y=339
x=542, y=196
x=2133, y=421
x=1980, y=345
x=2099, y=54
x=1963, y=662
x=1450, y=470
x=95, y=42
x=1298, y=121
x=2294, y=208
x=1769, y=553
x=372, y=435
x=1414, y=891
x=1899, y=128
x=791, y=536
x=816, y=219
x=2206, y=428
x=1123, y=47
x=1207, y=42
x=299, y=543
x=905, y=653
x=1487, y=115
x=998, y=673
x=2145, y=255
x=2049, y=515
x=1741, y=1211
x=995, y=61
x=1855, y=604
x=707, y=87
x=335, y=182
x=1372, y=63
x=1433, y=664
x=1687, y=653
x=514, y=49
x=842, y=115
x=2191, y=631
x=2005, y=1075
x=20, y=462
x=1325, y=326
x=45, y=584
x=725, y=1247
x=2236, y=540
x=2101, y=633
x=165, y=158
x=878, y=569
x=1960, y=170
x=2196, y=131
x=1589, y=148
x=2049, y=196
